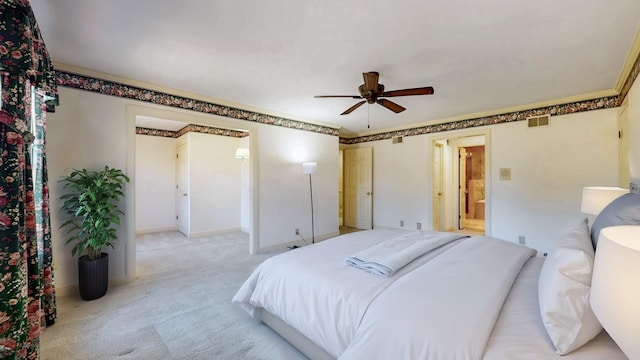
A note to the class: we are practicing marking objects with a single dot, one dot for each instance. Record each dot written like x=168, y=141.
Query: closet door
x=358, y=188
x=182, y=189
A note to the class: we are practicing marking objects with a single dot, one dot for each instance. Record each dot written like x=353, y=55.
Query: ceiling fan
x=373, y=92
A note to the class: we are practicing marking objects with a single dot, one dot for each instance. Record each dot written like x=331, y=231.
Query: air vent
x=396, y=139
x=541, y=120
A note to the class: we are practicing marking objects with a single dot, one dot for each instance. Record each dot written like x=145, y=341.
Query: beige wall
x=634, y=132
x=92, y=130
x=550, y=165
x=156, y=170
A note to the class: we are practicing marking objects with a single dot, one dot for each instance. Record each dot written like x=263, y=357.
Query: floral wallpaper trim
x=587, y=105
x=106, y=87
x=191, y=128
x=155, y=132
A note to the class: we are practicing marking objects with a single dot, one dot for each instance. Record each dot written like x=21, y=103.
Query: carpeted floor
x=178, y=308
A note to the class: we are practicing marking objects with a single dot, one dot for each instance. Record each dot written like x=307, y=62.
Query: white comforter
x=444, y=309
x=419, y=312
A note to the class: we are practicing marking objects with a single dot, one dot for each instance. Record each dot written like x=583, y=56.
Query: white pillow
x=563, y=291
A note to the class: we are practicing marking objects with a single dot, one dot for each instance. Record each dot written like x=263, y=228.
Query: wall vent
x=540, y=120
x=396, y=139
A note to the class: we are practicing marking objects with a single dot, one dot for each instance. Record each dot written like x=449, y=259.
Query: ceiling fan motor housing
x=370, y=95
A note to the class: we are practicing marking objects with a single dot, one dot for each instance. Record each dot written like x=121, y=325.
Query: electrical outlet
x=401, y=223
x=297, y=231
x=419, y=226
x=521, y=239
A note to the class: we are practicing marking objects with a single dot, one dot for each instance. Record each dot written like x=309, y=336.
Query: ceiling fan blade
x=339, y=96
x=391, y=105
x=428, y=90
x=371, y=81
x=349, y=110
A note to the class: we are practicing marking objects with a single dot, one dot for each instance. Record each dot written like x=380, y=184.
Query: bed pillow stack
x=563, y=291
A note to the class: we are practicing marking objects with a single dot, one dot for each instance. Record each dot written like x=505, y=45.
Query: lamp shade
x=615, y=287
x=309, y=168
x=242, y=153
x=596, y=198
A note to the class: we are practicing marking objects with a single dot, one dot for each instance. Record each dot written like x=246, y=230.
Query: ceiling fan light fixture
x=373, y=92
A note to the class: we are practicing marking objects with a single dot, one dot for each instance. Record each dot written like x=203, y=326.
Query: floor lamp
x=309, y=168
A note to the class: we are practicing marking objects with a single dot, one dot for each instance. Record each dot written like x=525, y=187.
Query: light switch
x=505, y=173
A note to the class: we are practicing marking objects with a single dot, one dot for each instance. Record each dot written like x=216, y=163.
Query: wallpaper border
x=106, y=87
x=580, y=106
x=191, y=128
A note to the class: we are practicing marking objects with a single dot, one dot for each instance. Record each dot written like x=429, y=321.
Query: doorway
x=472, y=188
x=460, y=184
x=250, y=173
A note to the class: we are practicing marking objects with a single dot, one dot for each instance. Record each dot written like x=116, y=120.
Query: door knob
x=368, y=192
x=185, y=194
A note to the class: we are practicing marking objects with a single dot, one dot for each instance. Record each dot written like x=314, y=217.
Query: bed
x=464, y=298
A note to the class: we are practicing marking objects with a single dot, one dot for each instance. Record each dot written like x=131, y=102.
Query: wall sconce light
x=242, y=153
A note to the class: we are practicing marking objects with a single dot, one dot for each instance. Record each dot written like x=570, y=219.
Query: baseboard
x=155, y=230
x=214, y=232
x=298, y=243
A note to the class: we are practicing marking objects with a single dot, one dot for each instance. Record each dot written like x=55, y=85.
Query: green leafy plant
x=91, y=199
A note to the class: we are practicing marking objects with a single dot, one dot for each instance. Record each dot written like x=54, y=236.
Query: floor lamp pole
x=313, y=238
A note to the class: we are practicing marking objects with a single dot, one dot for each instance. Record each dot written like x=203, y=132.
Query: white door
x=462, y=183
x=358, y=188
x=182, y=190
x=437, y=186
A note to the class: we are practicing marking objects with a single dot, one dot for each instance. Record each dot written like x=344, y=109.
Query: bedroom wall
x=155, y=168
x=86, y=131
x=549, y=166
x=91, y=130
x=634, y=130
x=284, y=189
x=244, y=188
x=214, y=184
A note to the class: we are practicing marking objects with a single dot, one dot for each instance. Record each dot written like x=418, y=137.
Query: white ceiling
x=277, y=54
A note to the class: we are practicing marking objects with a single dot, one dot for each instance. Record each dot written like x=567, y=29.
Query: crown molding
x=630, y=62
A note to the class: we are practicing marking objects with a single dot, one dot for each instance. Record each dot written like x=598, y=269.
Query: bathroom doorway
x=461, y=185
x=472, y=188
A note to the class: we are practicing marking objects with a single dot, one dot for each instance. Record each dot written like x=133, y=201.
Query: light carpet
x=178, y=308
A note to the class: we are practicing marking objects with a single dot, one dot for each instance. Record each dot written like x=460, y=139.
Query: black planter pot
x=93, y=276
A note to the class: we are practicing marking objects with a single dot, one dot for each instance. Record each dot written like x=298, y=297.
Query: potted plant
x=91, y=198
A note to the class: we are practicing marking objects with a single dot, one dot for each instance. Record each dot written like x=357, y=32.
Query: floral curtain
x=26, y=290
